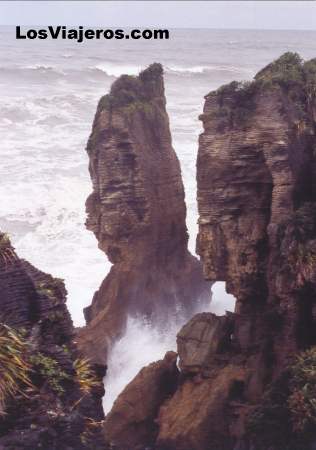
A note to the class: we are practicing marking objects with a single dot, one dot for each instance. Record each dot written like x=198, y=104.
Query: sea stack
x=137, y=213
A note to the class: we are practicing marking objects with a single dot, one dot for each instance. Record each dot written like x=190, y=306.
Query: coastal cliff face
x=50, y=396
x=257, y=230
x=256, y=197
x=137, y=213
x=247, y=379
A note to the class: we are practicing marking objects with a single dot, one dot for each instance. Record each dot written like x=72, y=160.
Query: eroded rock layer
x=50, y=396
x=247, y=379
x=257, y=227
x=137, y=213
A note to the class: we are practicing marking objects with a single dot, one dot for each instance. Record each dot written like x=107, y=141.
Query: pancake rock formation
x=246, y=380
x=137, y=213
x=50, y=396
x=256, y=173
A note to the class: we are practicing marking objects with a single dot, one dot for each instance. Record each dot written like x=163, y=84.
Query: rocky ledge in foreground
x=50, y=396
x=246, y=380
x=137, y=213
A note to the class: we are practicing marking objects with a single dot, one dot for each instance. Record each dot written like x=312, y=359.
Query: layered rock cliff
x=247, y=379
x=50, y=396
x=256, y=197
x=137, y=213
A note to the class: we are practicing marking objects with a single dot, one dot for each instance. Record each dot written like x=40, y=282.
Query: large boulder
x=199, y=340
x=131, y=425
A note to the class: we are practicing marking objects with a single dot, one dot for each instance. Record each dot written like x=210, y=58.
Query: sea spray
x=145, y=342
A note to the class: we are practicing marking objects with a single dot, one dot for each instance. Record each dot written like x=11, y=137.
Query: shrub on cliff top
x=286, y=70
x=129, y=89
x=310, y=74
x=236, y=99
x=236, y=102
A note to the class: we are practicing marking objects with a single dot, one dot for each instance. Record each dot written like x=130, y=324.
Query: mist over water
x=49, y=93
x=144, y=343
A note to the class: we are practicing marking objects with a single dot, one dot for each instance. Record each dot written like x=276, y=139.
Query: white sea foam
x=144, y=343
x=192, y=69
x=116, y=70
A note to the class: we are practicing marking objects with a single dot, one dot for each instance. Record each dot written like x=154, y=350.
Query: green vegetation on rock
x=85, y=375
x=286, y=71
x=289, y=73
x=286, y=416
x=14, y=367
x=50, y=371
x=131, y=91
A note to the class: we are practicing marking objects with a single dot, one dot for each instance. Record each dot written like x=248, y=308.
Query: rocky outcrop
x=204, y=336
x=137, y=213
x=50, y=397
x=257, y=228
x=165, y=409
x=201, y=413
x=131, y=422
x=247, y=379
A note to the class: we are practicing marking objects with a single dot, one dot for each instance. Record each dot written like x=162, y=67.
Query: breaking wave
x=145, y=342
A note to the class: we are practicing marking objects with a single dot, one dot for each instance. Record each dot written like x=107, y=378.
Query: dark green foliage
x=152, y=72
x=50, y=371
x=286, y=417
x=310, y=75
x=286, y=71
x=128, y=89
x=52, y=288
x=236, y=103
x=269, y=426
x=124, y=91
x=237, y=99
x=302, y=401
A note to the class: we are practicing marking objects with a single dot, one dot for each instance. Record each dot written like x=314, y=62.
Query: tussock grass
x=85, y=375
x=14, y=369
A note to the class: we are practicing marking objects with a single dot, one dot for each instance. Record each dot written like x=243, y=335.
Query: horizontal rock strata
x=257, y=228
x=247, y=379
x=55, y=407
x=137, y=213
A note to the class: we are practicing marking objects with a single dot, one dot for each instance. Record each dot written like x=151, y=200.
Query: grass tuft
x=14, y=369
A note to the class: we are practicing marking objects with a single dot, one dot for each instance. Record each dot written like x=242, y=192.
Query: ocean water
x=49, y=91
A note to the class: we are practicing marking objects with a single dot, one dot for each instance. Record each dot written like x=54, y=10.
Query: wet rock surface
x=131, y=422
x=137, y=213
x=204, y=336
x=257, y=198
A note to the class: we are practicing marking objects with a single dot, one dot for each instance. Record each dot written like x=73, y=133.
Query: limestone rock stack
x=137, y=213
